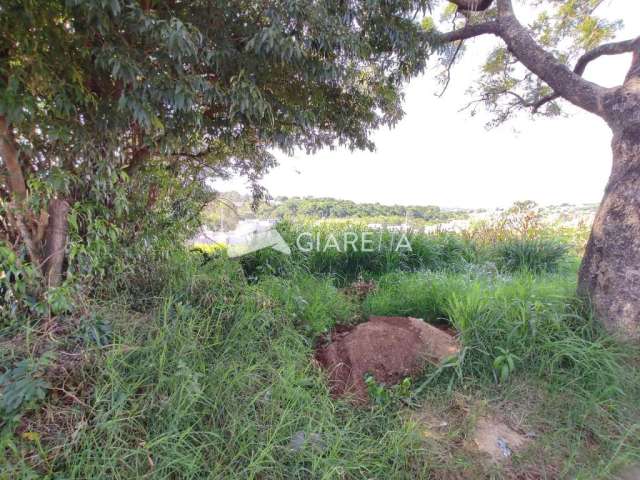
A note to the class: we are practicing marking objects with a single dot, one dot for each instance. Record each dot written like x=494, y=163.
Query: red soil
x=389, y=348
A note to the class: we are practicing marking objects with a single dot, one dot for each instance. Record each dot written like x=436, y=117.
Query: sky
x=438, y=155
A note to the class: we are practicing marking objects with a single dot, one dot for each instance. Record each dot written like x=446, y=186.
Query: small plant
x=382, y=395
x=453, y=364
x=96, y=331
x=504, y=365
x=23, y=385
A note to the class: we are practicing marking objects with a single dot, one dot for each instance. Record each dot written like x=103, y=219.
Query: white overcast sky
x=438, y=155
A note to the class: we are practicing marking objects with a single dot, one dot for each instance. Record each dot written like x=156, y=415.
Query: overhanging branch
x=469, y=31
x=614, y=48
x=561, y=79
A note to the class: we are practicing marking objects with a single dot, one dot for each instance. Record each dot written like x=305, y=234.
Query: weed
x=384, y=396
x=23, y=385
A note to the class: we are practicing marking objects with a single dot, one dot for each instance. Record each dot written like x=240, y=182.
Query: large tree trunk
x=56, y=241
x=610, y=271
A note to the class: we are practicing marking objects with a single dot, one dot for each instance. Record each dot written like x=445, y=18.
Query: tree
x=106, y=101
x=529, y=70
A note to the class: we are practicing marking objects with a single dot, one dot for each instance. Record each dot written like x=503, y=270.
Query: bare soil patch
x=388, y=348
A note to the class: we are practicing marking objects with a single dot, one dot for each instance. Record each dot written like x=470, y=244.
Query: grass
x=534, y=319
x=210, y=373
x=194, y=391
x=535, y=255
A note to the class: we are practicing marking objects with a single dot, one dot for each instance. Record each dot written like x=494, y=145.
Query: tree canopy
x=534, y=66
x=117, y=111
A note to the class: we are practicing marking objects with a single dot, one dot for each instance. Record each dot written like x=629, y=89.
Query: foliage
x=504, y=364
x=215, y=363
x=241, y=374
x=230, y=207
x=350, y=250
x=174, y=75
x=209, y=249
x=122, y=109
x=314, y=250
x=384, y=396
x=313, y=304
x=313, y=208
x=536, y=255
x=22, y=385
x=504, y=321
x=566, y=29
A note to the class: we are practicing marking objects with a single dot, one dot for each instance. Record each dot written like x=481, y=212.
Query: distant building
x=209, y=237
x=452, y=226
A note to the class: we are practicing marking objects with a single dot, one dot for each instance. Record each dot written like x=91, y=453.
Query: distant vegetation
x=230, y=207
x=284, y=207
x=324, y=251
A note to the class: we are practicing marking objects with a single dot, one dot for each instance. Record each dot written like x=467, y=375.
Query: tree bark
x=610, y=270
x=56, y=241
x=9, y=153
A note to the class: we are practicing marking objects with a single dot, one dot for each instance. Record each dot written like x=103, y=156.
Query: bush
x=346, y=263
x=313, y=304
x=535, y=255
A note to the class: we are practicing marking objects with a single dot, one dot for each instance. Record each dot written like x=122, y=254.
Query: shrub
x=314, y=304
x=346, y=263
x=535, y=255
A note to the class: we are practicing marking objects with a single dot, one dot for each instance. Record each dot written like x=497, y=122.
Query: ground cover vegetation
x=207, y=368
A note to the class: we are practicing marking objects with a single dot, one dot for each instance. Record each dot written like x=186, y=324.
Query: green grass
x=435, y=252
x=535, y=319
x=204, y=370
x=535, y=255
x=219, y=392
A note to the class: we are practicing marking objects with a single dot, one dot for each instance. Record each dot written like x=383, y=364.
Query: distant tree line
x=334, y=208
x=327, y=208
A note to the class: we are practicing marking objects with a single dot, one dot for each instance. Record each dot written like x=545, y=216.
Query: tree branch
x=566, y=83
x=634, y=70
x=448, y=71
x=9, y=153
x=469, y=31
x=614, y=48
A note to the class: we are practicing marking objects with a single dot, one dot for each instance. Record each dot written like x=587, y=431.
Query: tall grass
x=214, y=376
x=384, y=251
x=536, y=320
x=535, y=255
x=387, y=252
x=219, y=391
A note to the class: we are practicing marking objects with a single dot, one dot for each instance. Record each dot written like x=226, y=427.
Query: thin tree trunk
x=56, y=241
x=9, y=154
x=18, y=190
x=610, y=270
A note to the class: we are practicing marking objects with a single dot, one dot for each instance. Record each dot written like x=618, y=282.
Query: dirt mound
x=389, y=348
